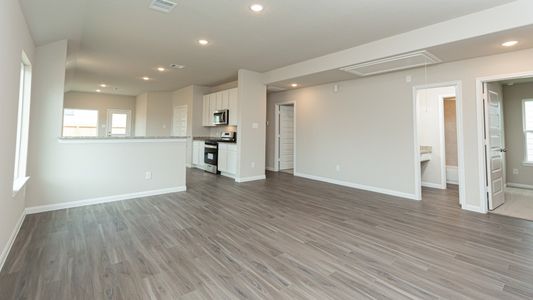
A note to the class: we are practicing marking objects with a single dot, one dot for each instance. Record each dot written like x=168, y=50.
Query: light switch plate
x=255, y=125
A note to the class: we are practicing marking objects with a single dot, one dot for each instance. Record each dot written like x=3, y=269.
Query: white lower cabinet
x=227, y=158
x=198, y=154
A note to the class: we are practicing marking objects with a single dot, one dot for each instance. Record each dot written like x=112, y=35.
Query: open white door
x=286, y=137
x=495, y=146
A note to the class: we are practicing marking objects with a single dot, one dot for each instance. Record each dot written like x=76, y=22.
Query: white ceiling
x=119, y=41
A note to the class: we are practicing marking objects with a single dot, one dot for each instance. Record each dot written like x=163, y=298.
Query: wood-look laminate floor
x=283, y=238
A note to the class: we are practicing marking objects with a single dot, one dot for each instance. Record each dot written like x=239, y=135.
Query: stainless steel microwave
x=221, y=117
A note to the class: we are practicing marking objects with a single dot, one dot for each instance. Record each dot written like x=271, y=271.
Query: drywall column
x=14, y=38
x=251, y=132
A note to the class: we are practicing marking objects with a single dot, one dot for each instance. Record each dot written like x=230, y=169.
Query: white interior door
x=286, y=137
x=495, y=146
x=118, y=122
x=179, y=127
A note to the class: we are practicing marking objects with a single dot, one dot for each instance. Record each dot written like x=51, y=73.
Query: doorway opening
x=285, y=146
x=439, y=155
x=507, y=145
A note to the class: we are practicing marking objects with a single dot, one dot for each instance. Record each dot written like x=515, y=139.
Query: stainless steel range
x=211, y=151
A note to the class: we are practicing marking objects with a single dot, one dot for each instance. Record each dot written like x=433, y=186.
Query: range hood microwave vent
x=162, y=5
x=394, y=63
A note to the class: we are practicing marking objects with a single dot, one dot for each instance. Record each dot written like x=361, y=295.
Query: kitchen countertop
x=426, y=149
x=205, y=138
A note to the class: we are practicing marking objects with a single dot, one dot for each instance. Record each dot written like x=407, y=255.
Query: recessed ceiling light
x=510, y=43
x=98, y=90
x=256, y=8
x=146, y=78
x=176, y=66
x=161, y=69
x=103, y=85
x=203, y=42
x=294, y=85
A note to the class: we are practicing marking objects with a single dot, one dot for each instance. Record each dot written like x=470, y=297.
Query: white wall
x=101, y=103
x=514, y=134
x=251, y=132
x=14, y=38
x=64, y=172
x=377, y=114
x=141, y=107
x=430, y=133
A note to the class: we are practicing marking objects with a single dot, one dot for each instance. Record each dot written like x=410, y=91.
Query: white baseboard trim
x=247, y=179
x=271, y=169
x=189, y=166
x=99, y=200
x=433, y=185
x=359, y=186
x=520, y=185
x=227, y=175
x=11, y=241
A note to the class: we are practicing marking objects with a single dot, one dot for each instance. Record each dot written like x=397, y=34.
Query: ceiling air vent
x=395, y=63
x=162, y=5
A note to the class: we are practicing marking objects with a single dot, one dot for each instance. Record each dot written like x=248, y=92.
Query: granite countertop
x=69, y=138
x=426, y=149
x=205, y=138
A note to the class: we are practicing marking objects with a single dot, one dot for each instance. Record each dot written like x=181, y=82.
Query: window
x=118, y=122
x=23, y=124
x=80, y=122
x=528, y=130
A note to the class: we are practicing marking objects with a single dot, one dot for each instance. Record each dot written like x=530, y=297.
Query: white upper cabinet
x=227, y=99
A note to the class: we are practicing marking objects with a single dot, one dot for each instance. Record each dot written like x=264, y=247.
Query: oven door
x=220, y=117
x=211, y=155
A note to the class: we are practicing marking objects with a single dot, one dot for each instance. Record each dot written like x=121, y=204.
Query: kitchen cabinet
x=227, y=99
x=227, y=158
x=198, y=154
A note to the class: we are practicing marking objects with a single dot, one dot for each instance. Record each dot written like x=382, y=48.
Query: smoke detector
x=162, y=5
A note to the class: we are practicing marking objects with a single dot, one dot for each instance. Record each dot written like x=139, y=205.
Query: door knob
x=503, y=150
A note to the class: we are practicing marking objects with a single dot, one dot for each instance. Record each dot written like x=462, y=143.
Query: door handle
x=504, y=150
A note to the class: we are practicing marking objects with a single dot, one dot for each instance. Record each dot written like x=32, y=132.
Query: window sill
x=19, y=184
x=528, y=163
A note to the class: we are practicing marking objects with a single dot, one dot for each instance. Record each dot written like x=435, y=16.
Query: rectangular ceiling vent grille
x=391, y=64
x=162, y=5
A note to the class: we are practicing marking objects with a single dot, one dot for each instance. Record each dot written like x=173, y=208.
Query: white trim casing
x=271, y=169
x=248, y=179
x=100, y=200
x=460, y=139
x=433, y=185
x=359, y=186
x=11, y=241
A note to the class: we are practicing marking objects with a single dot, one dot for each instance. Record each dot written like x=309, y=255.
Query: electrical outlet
x=338, y=168
x=148, y=175
x=516, y=172
x=255, y=125
x=408, y=78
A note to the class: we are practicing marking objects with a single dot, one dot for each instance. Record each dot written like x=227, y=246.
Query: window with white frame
x=528, y=129
x=23, y=124
x=80, y=122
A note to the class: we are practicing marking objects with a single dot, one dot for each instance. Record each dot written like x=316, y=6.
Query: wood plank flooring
x=283, y=238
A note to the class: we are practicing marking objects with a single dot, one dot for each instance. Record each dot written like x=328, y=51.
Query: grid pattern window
x=23, y=124
x=528, y=129
x=80, y=123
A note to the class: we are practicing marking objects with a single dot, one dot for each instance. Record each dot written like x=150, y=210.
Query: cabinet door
x=220, y=101
x=195, y=151
x=233, y=106
x=201, y=150
x=231, y=163
x=225, y=99
x=205, y=117
x=222, y=160
x=212, y=107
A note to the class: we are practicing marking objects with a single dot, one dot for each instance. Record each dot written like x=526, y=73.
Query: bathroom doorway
x=438, y=138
